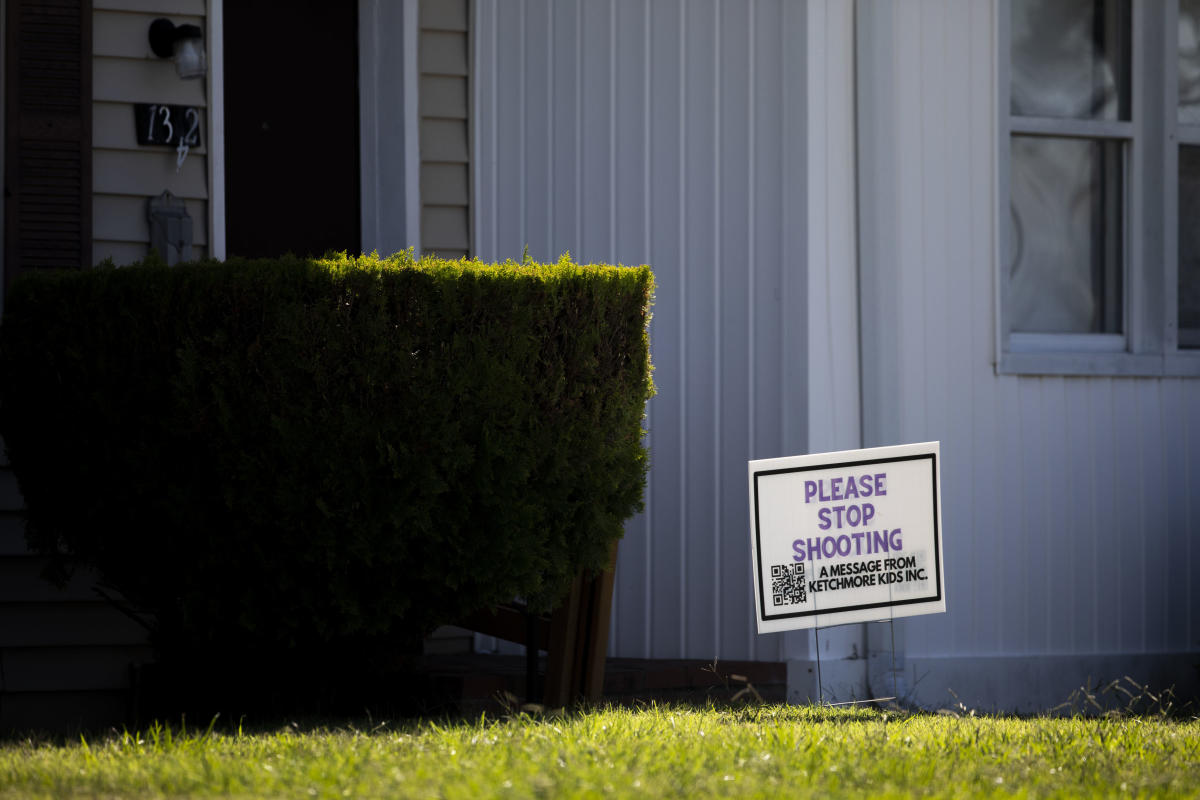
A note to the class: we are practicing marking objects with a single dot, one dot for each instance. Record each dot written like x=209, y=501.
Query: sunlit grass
x=754, y=751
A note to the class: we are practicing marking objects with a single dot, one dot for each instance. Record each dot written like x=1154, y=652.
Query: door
x=291, y=127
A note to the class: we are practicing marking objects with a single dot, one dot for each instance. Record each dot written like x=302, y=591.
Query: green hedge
x=294, y=453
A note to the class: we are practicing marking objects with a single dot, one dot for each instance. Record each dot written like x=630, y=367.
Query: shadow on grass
x=411, y=702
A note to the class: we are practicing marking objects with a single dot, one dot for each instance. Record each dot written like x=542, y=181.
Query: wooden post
x=575, y=636
x=560, y=650
x=598, y=622
x=579, y=640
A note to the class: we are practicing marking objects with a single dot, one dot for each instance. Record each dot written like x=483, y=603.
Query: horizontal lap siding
x=57, y=640
x=65, y=653
x=1069, y=504
x=124, y=173
x=667, y=133
x=443, y=63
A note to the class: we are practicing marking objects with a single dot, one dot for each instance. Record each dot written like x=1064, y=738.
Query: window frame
x=1177, y=136
x=1148, y=345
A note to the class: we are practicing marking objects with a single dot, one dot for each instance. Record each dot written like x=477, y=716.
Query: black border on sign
x=937, y=550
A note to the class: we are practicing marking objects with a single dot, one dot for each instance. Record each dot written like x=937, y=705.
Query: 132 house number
x=168, y=125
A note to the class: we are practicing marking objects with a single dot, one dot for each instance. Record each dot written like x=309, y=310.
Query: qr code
x=787, y=584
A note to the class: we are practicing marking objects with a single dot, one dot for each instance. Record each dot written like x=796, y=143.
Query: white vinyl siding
x=64, y=654
x=389, y=124
x=124, y=173
x=671, y=134
x=443, y=64
x=1068, y=502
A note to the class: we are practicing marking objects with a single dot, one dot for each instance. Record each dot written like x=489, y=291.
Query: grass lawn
x=751, y=751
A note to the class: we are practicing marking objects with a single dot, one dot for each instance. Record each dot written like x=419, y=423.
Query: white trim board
x=387, y=103
x=3, y=138
x=216, y=129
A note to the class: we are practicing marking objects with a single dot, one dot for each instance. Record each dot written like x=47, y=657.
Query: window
x=1096, y=194
x=1188, y=132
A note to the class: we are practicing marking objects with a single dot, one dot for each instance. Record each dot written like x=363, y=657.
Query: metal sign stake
x=821, y=685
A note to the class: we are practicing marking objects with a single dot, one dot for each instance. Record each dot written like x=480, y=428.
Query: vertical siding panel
x=1155, y=531
x=1096, y=478
x=667, y=514
x=910, y=140
x=699, y=266
x=984, y=590
x=734, y=291
x=507, y=108
x=752, y=267
x=580, y=68
x=537, y=121
x=958, y=389
x=908, y=393
x=1130, y=531
x=1033, y=551
x=522, y=142
x=832, y=325
x=629, y=141
x=945, y=136
x=684, y=434
x=822, y=406
x=1010, y=622
x=766, y=314
x=765, y=311
x=718, y=222
x=566, y=128
x=1176, y=496
x=1107, y=592
x=1189, y=428
x=594, y=156
x=483, y=99
x=662, y=142
x=841, y=267
x=941, y=145
x=1041, y=533
x=1060, y=525
x=987, y=542
x=792, y=385
x=831, y=328
x=493, y=128
x=631, y=597
x=926, y=271
x=646, y=237
x=552, y=82
x=1078, y=533
x=612, y=130
x=880, y=202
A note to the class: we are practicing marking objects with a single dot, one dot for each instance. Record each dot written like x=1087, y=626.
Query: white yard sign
x=845, y=537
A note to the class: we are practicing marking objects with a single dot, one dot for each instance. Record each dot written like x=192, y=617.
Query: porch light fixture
x=183, y=43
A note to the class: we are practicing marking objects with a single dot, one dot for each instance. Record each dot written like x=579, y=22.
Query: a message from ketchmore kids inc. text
x=845, y=509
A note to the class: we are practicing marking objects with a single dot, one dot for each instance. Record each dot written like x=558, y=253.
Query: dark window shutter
x=48, y=136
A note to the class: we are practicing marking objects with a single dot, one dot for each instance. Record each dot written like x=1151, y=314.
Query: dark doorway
x=291, y=127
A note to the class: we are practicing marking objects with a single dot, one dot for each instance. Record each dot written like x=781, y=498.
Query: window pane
x=1070, y=58
x=1189, y=246
x=1065, y=236
x=1189, y=62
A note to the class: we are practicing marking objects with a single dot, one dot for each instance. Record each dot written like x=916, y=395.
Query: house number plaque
x=167, y=125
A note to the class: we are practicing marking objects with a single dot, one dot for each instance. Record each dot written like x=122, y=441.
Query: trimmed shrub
x=284, y=455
